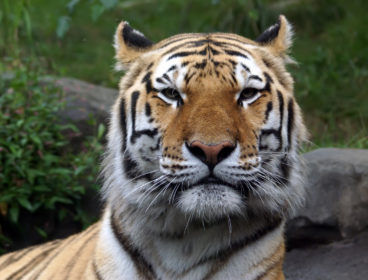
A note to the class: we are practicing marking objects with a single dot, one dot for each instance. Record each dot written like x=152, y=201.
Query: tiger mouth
x=211, y=181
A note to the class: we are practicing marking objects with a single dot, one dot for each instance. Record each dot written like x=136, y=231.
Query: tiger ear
x=129, y=45
x=278, y=38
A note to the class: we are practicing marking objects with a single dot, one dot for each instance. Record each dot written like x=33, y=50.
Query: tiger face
x=206, y=125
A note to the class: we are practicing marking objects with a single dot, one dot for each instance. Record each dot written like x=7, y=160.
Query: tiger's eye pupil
x=248, y=93
x=171, y=93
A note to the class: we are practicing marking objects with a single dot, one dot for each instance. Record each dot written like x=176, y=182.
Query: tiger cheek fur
x=201, y=168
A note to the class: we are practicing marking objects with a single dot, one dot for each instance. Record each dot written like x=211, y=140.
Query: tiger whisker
x=163, y=190
x=152, y=189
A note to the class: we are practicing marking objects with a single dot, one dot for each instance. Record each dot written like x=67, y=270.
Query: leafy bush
x=332, y=80
x=38, y=170
x=14, y=19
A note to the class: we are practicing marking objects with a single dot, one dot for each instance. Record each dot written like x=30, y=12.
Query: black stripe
x=238, y=245
x=235, y=53
x=123, y=124
x=268, y=111
x=290, y=122
x=268, y=77
x=178, y=38
x=131, y=168
x=200, y=65
x=51, y=258
x=167, y=78
x=187, y=53
x=64, y=244
x=149, y=66
x=276, y=132
x=147, y=81
x=159, y=80
x=181, y=54
x=157, y=147
x=95, y=271
x=140, y=263
x=138, y=133
x=213, y=51
x=73, y=260
x=267, y=63
x=25, y=268
x=180, y=46
x=223, y=44
x=203, y=52
x=245, y=67
x=188, y=76
x=171, y=68
x=218, y=36
x=281, y=108
x=255, y=77
x=285, y=171
x=133, y=105
x=16, y=256
x=148, y=109
x=233, y=63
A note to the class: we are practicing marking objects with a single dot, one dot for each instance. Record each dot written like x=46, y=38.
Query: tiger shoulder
x=201, y=169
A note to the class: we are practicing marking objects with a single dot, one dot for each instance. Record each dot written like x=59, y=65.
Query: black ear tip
x=270, y=33
x=135, y=38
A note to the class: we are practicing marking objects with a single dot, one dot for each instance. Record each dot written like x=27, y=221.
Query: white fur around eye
x=246, y=102
x=166, y=99
x=174, y=103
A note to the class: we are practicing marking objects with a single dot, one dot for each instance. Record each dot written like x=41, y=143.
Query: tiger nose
x=211, y=154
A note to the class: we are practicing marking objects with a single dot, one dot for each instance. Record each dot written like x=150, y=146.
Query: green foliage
x=13, y=15
x=97, y=8
x=38, y=170
x=332, y=79
x=243, y=17
x=63, y=26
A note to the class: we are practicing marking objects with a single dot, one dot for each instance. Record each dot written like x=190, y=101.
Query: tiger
x=202, y=165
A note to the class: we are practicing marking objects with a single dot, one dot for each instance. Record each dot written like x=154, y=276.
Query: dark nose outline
x=211, y=154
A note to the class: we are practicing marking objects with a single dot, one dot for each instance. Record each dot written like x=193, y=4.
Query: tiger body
x=202, y=165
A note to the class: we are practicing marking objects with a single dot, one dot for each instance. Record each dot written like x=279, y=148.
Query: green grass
x=332, y=77
x=331, y=48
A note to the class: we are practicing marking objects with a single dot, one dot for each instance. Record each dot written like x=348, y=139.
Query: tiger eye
x=171, y=93
x=248, y=93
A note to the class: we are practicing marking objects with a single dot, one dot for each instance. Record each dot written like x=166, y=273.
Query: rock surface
x=343, y=260
x=84, y=100
x=337, y=196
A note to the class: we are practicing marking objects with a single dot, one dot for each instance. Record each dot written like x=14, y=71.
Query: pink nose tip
x=211, y=154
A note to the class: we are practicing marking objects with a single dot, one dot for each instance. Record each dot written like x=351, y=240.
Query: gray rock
x=347, y=259
x=337, y=196
x=85, y=100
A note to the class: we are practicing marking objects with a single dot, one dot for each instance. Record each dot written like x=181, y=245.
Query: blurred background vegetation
x=74, y=38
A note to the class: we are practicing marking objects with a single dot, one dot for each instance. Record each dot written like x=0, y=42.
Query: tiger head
x=205, y=124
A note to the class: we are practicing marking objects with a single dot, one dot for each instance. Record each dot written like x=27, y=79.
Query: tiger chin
x=201, y=168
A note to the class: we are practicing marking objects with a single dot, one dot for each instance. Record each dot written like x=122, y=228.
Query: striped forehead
x=173, y=69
